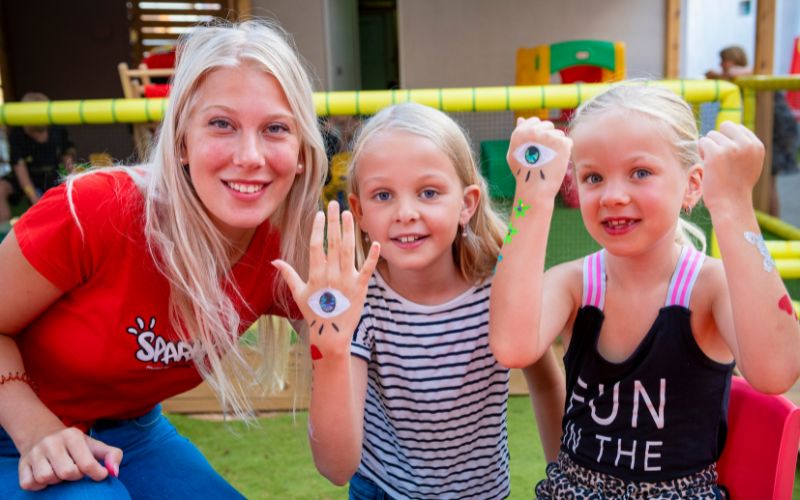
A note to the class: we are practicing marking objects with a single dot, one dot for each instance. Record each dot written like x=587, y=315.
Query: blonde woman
x=126, y=286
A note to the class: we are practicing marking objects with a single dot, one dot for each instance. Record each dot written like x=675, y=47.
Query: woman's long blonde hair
x=186, y=245
x=476, y=253
x=672, y=114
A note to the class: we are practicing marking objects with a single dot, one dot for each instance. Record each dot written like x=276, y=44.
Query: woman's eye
x=328, y=302
x=533, y=155
x=220, y=123
x=277, y=128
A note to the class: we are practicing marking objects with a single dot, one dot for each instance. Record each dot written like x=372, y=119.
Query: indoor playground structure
x=568, y=239
x=587, y=61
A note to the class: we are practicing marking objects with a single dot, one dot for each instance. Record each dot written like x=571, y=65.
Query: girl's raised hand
x=538, y=156
x=333, y=298
x=732, y=158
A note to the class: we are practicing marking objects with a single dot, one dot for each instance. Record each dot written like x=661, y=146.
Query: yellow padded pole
x=753, y=83
x=100, y=111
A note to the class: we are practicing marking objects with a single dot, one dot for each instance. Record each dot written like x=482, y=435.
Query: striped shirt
x=435, y=415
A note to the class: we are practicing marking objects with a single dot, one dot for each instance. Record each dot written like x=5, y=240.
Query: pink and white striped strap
x=594, y=280
x=686, y=272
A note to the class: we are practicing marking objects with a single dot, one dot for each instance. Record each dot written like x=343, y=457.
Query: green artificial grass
x=273, y=459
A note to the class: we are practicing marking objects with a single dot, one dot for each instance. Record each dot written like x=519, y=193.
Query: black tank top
x=660, y=414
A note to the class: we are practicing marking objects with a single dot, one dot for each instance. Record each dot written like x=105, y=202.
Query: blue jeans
x=157, y=463
x=363, y=488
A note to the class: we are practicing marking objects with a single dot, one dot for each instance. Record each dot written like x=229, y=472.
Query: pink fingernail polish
x=113, y=469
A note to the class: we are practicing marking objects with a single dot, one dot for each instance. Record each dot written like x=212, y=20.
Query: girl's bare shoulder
x=567, y=277
x=710, y=284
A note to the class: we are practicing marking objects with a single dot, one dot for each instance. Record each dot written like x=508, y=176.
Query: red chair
x=160, y=59
x=760, y=453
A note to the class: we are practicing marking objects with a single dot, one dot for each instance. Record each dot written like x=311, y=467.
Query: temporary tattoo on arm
x=532, y=155
x=327, y=303
x=499, y=260
x=520, y=209
x=758, y=241
x=511, y=232
x=315, y=353
x=785, y=305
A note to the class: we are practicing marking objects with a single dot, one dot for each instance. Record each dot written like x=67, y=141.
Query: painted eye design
x=328, y=302
x=533, y=155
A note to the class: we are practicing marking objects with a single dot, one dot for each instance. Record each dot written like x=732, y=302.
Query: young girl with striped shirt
x=407, y=399
x=652, y=327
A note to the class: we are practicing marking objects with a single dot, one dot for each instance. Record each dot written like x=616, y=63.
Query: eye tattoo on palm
x=327, y=303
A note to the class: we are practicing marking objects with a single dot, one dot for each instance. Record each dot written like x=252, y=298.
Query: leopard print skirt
x=568, y=480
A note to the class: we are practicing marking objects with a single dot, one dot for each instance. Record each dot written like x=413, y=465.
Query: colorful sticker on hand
x=785, y=305
x=511, y=232
x=327, y=303
x=520, y=209
x=758, y=241
x=532, y=155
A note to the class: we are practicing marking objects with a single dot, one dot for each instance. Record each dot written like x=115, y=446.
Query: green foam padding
x=564, y=54
x=495, y=169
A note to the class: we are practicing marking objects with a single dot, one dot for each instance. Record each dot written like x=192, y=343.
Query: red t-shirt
x=106, y=348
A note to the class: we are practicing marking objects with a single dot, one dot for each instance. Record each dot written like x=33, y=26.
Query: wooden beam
x=672, y=42
x=244, y=8
x=763, y=65
x=5, y=75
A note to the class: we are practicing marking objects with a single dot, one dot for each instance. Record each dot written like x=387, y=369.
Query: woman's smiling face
x=242, y=148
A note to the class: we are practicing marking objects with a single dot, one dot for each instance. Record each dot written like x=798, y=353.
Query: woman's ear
x=182, y=156
x=472, y=196
x=694, y=186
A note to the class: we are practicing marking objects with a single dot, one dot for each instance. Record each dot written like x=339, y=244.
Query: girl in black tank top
x=652, y=327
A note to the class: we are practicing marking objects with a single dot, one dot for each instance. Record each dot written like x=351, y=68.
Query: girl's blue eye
x=641, y=173
x=382, y=196
x=429, y=194
x=592, y=179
